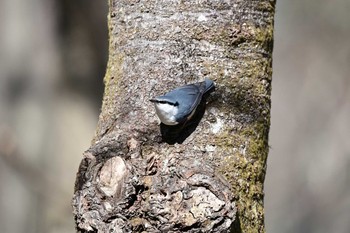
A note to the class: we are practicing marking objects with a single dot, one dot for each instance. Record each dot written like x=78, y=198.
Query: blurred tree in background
x=53, y=59
x=308, y=176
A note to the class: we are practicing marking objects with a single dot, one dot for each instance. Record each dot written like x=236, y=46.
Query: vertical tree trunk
x=132, y=181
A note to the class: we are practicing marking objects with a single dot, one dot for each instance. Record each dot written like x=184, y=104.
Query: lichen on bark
x=132, y=181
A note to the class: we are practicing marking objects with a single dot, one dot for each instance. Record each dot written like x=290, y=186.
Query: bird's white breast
x=166, y=113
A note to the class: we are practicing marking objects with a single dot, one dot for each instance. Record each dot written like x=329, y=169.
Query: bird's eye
x=173, y=104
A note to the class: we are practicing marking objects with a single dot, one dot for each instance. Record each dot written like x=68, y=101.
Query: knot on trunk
x=159, y=188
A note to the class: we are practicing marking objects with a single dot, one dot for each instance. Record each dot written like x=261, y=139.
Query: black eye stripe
x=164, y=102
x=167, y=102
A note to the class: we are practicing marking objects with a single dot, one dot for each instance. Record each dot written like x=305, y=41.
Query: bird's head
x=167, y=109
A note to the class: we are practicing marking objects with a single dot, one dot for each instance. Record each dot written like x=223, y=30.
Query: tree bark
x=131, y=179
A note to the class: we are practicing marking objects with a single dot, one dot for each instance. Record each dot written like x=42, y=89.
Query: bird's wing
x=190, y=94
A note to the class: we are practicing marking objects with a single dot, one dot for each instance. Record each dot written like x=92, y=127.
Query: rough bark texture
x=132, y=181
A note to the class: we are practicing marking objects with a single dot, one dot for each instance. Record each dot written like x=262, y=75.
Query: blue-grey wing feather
x=191, y=96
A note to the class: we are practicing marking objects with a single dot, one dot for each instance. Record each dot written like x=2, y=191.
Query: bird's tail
x=209, y=85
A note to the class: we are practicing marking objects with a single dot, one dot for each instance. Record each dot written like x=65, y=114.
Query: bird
x=179, y=105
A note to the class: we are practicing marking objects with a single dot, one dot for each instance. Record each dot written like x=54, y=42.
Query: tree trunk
x=132, y=179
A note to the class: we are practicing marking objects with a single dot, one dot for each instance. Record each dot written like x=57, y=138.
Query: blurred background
x=53, y=55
